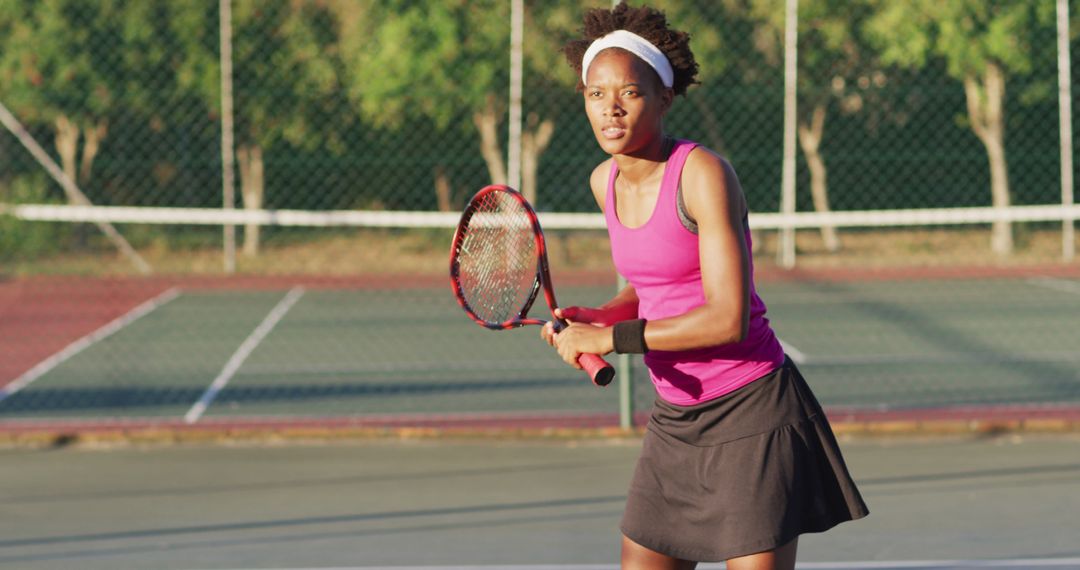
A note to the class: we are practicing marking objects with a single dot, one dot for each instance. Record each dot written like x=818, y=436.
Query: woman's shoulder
x=706, y=167
x=709, y=183
x=702, y=156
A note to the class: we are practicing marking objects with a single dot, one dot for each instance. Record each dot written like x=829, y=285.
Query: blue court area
x=411, y=352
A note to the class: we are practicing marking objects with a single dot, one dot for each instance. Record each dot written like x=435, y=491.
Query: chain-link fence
x=404, y=106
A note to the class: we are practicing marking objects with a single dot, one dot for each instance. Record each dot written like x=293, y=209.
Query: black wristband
x=629, y=337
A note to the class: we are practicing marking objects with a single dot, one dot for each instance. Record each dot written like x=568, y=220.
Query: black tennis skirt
x=744, y=473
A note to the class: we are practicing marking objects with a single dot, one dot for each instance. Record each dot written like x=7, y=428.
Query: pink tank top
x=660, y=259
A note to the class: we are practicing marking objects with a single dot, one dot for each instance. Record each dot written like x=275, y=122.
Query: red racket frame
x=598, y=369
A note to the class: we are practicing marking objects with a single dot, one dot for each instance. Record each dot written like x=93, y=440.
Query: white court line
x=798, y=356
x=242, y=353
x=85, y=342
x=1017, y=564
x=1056, y=284
x=984, y=357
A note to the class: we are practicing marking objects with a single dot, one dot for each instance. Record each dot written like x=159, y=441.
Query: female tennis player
x=738, y=459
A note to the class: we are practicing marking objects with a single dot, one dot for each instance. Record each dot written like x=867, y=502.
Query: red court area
x=39, y=316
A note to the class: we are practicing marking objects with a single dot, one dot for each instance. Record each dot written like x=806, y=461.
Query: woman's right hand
x=584, y=315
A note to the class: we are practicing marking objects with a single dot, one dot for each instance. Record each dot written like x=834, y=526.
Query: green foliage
x=26, y=240
x=358, y=102
x=60, y=57
x=968, y=34
x=833, y=53
x=431, y=59
x=286, y=68
x=195, y=62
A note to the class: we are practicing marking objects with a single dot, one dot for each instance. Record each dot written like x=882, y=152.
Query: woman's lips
x=613, y=132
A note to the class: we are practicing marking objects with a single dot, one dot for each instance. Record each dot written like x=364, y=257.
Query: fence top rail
x=549, y=220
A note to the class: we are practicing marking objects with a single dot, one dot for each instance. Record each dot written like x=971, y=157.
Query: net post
x=625, y=374
x=1068, y=230
x=228, y=159
x=513, y=155
x=786, y=250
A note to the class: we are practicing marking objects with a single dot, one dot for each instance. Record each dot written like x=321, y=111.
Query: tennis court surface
x=264, y=351
x=440, y=504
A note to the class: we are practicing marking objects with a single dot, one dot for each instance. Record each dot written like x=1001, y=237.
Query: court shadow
x=1011, y=478
x=293, y=537
x=969, y=475
x=386, y=517
x=119, y=399
x=221, y=488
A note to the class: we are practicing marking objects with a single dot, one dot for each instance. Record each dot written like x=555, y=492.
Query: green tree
x=74, y=66
x=71, y=65
x=286, y=76
x=983, y=44
x=836, y=64
x=437, y=59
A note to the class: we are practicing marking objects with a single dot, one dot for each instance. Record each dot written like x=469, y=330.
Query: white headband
x=634, y=44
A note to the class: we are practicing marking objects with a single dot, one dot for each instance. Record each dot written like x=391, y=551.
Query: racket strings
x=497, y=262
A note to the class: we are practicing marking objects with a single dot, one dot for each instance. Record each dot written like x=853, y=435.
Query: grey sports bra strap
x=689, y=223
x=684, y=216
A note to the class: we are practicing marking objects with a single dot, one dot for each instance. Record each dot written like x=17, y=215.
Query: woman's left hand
x=580, y=338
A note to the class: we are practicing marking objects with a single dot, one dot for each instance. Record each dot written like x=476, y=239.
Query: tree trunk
x=810, y=141
x=986, y=110
x=487, y=122
x=67, y=144
x=443, y=190
x=93, y=135
x=252, y=188
x=534, y=141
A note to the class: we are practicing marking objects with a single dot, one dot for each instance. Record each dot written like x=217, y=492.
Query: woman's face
x=625, y=102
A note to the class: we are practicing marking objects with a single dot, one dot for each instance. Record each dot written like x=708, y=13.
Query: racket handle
x=599, y=370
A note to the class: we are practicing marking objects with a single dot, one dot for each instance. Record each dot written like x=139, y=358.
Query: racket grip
x=599, y=370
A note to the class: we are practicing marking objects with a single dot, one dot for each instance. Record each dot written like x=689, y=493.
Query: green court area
x=907, y=344
x=411, y=352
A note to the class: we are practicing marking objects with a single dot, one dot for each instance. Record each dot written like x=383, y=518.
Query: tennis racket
x=498, y=264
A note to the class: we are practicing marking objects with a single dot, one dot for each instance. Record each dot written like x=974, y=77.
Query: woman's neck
x=643, y=166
